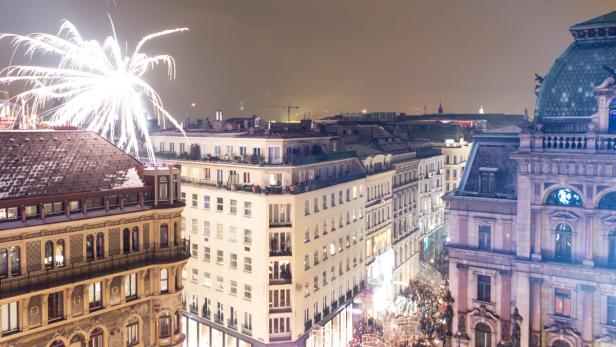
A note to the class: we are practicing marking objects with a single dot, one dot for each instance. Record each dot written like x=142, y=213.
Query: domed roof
x=568, y=90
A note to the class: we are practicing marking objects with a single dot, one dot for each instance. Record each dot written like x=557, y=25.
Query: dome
x=568, y=90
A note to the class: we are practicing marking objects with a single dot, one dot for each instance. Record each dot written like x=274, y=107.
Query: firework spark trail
x=97, y=87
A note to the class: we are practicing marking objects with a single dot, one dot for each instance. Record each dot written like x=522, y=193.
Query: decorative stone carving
x=483, y=312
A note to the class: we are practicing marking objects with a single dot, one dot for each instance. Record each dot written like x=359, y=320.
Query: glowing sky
x=332, y=55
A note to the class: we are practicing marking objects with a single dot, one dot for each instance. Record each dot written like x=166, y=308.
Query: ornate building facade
x=90, y=252
x=533, y=229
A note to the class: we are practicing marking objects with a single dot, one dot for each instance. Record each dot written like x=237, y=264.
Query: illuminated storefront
x=336, y=332
x=199, y=334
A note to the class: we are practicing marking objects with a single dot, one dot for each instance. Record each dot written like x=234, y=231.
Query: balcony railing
x=49, y=278
x=289, y=160
x=232, y=323
x=280, y=252
x=219, y=318
x=308, y=325
x=246, y=330
x=317, y=317
x=205, y=313
x=194, y=309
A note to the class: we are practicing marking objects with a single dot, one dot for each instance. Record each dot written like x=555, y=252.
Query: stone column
x=106, y=292
x=505, y=308
x=463, y=228
x=535, y=311
x=86, y=299
x=536, y=225
x=44, y=309
x=588, y=239
x=122, y=289
x=523, y=212
x=587, y=333
x=69, y=302
x=141, y=283
x=23, y=313
x=462, y=299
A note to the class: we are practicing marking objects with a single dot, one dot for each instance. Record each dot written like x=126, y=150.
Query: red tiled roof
x=49, y=162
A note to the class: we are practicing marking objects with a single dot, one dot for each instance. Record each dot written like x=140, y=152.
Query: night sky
x=331, y=56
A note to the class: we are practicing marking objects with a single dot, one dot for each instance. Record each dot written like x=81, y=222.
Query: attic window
x=487, y=180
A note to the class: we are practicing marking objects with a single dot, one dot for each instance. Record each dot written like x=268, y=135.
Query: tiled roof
x=568, y=90
x=608, y=19
x=43, y=163
x=492, y=151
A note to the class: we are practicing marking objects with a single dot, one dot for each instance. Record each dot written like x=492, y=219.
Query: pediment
x=564, y=215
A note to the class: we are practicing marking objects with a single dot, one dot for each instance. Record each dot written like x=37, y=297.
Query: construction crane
x=288, y=107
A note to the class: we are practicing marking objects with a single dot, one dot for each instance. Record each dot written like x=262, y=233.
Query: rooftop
x=52, y=162
x=568, y=90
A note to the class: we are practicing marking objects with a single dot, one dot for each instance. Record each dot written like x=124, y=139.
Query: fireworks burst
x=94, y=85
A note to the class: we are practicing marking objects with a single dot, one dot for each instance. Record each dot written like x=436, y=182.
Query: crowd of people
x=430, y=324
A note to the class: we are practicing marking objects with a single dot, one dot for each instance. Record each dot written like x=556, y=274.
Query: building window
x=233, y=261
x=233, y=234
x=247, y=237
x=247, y=264
x=220, y=257
x=130, y=286
x=233, y=288
x=135, y=239
x=206, y=254
x=54, y=254
x=483, y=335
x=485, y=237
x=219, y=231
x=563, y=242
x=562, y=302
x=219, y=204
x=164, y=281
x=611, y=252
x=247, y=292
x=484, y=288
x=306, y=207
x=279, y=214
x=95, y=296
x=100, y=245
x=132, y=333
x=233, y=207
x=164, y=235
x=194, y=200
x=55, y=306
x=165, y=325
x=9, y=317
x=9, y=214
x=206, y=202
x=247, y=209
x=564, y=197
x=611, y=310
x=487, y=180
x=96, y=338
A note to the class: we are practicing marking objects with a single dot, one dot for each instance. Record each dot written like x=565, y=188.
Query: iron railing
x=45, y=279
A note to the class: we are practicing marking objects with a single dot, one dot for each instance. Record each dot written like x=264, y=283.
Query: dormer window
x=487, y=180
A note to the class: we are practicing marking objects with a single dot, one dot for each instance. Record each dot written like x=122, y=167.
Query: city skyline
x=320, y=55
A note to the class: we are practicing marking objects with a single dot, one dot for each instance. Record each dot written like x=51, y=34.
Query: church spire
x=440, y=106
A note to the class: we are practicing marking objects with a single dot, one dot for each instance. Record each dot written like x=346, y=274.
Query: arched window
x=560, y=343
x=164, y=323
x=164, y=235
x=164, y=281
x=135, y=239
x=48, y=254
x=611, y=251
x=564, y=197
x=100, y=245
x=126, y=240
x=608, y=201
x=4, y=262
x=59, y=258
x=132, y=332
x=90, y=247
x=78, y=341
x=563, y=242
x=57, y=343
x=96, y=338
x=15, y=260
x=483, y=335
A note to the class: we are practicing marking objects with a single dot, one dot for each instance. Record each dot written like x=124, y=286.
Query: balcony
x=326, y=311
x=246, y=330
x=193, y=308
x=49, y=278
x=349, y=295
x=280, y=252
x=232, y=324
x=317, y=318
x=280, y=309
x=308, y=325
x=219, y=318
x=283, y=277
x=205, y=313
x=341, y=300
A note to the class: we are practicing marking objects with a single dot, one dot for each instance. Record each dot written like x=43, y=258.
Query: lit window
x=130, y=286
x=95, y=295
x=562, y=302
x=132, y=333
x=9, y=317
